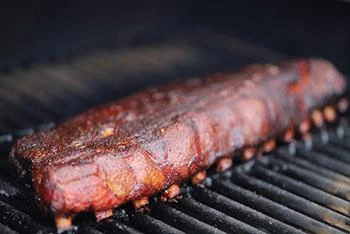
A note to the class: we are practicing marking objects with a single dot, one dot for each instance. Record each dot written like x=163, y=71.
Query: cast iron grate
x=301, y=187
x=55, y=91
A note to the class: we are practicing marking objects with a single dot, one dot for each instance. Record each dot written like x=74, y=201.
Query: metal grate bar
x=302, y=189
x=334, y=152
x=242, y=212
x=63, y=98
x=181, y=220
x=344, y=143
x=8, y=190
x=149, y=224
x=324, y=161
x=88, y=230
x=32, y=97
x=60, y=97
x=213, y=217
x=65, y=77
x=20, y=221
x=22, y=200
x=292, y=201
x=331, y=185
x=6, y=230
x=271, y=208
x=116, y=226
x=312, y=167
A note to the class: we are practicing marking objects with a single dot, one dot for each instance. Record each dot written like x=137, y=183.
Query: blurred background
x=46, y=30
x=80, y=54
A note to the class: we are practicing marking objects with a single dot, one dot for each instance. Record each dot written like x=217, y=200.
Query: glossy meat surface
x=148, y=141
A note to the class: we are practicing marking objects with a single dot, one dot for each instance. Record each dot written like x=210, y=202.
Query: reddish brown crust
x=141, y=202
x=317, y=118
x=171, y=193
x=304, y=126
x=224, y=163
x=269, y=145
x=151, y=140
x=288, y=136
x=249, y=153
x=99, y=215
x=199, y=177
x=329, y=114
x=63, y=223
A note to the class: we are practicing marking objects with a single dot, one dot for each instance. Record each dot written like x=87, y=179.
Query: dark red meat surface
x=148, y=141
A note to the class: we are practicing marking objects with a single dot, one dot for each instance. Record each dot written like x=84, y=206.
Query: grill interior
x=52, y=92
x=301, y=187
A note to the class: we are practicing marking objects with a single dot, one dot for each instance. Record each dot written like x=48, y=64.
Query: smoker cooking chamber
x=295, y=189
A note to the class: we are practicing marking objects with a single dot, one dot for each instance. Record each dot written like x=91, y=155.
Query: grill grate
x=302, y=187
x=278, y=193
x=56, y=91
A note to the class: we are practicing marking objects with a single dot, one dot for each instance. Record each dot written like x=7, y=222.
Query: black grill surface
x=301, y=187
